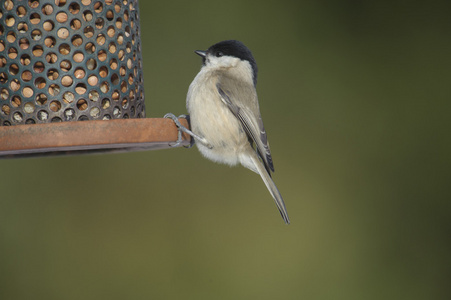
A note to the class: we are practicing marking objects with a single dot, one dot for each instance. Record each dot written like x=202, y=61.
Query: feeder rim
x=83, y=137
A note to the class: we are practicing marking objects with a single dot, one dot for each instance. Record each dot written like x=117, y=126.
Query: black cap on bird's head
x=232, y=48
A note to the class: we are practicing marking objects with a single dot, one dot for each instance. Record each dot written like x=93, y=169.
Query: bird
x=224, y=114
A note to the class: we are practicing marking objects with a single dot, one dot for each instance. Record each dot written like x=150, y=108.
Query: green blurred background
x=355, y=96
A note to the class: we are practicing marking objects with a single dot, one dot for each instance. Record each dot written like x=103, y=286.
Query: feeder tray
x=62, y=62
x=88, y=137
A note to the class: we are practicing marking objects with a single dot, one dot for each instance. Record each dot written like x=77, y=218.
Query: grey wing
x=249, y=116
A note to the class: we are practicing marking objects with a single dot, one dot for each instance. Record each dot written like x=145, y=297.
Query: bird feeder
x=63, y=62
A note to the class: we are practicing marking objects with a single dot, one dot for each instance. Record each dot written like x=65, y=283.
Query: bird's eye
x=219, y=54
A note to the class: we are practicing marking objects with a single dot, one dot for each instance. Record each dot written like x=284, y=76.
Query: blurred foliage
x=356, y=101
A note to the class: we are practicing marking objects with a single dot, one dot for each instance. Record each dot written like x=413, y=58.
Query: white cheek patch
x=223, y=61
x=239, y=68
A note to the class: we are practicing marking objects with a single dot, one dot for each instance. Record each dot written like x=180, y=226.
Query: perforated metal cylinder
x=70, y=60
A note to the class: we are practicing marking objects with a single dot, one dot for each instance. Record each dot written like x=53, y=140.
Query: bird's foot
x=182, y=128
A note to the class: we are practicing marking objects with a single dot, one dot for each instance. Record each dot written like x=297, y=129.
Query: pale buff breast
x=213, y=120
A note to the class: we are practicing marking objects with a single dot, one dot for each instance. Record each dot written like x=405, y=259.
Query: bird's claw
x=182, y=128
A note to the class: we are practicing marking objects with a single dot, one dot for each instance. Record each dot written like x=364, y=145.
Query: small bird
x=224, y=113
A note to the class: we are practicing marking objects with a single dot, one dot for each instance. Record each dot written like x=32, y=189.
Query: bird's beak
x=201, y=53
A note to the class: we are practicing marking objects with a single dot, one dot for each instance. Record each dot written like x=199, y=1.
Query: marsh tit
x=225, y=116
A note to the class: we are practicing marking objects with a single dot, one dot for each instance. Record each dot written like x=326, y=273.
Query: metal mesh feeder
x=69, y=60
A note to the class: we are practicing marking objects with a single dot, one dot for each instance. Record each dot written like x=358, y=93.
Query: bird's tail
x=271, y=187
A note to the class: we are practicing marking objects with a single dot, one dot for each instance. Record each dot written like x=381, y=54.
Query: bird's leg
x=182, y=128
